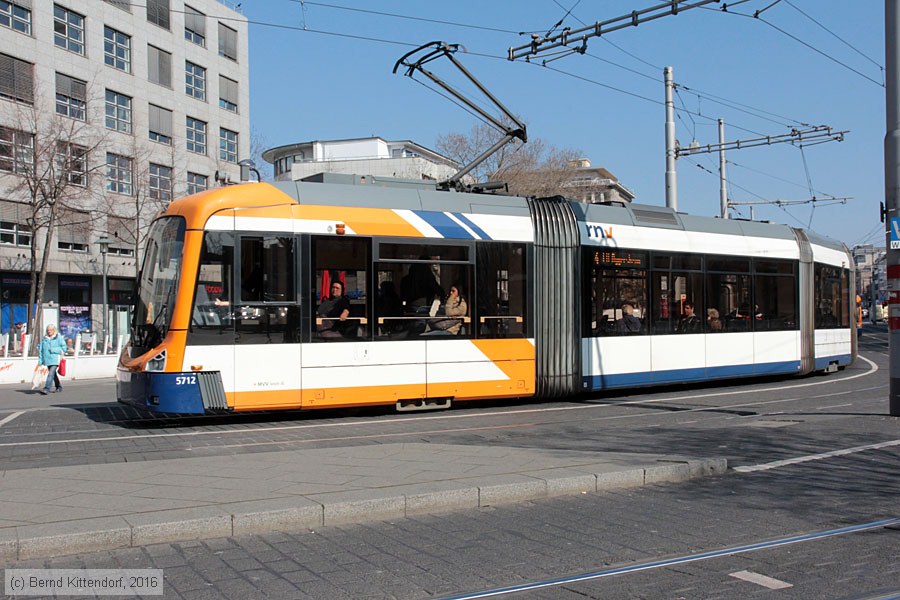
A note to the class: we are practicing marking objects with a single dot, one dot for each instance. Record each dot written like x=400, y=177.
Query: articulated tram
x=337, y=293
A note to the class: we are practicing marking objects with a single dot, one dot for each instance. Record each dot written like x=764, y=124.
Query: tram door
x=266, y=321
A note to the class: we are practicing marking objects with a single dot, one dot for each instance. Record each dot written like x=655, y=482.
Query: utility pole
x=723, y=190
x=671, y=150
x=891, y=183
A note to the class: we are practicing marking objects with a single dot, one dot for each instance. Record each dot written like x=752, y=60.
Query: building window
x=117, y=49
x=68, y=29
x=17, y=18
x=118, y=111
x=118, y=174
x=195, y=133
x=194, y=80
x=15, y=234
x=13, y=230
x=160, y=66
x=123, y=4
x=16, y=150
x=71, y=159
x=71, y=97
x=74, y=232
x=196, y=183
x=16, y=79
x=228, y=145
x=227, y=42
x=121, y=231
x=228, y=94
x=194, y=26
x=160, y=125
x=160, y=182
x=158, y=12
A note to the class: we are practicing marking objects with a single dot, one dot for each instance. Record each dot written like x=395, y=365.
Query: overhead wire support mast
x=540, y=44
x=442, y=49
x=814, y=135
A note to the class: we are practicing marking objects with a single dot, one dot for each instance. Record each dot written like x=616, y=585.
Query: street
x=808, y=508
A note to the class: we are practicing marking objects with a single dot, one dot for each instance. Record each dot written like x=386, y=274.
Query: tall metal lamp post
x=104, y=243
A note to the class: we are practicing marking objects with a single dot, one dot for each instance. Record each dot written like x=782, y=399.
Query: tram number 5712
x=186, y=380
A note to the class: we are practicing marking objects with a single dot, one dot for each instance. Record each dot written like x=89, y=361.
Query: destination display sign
x=615, y=257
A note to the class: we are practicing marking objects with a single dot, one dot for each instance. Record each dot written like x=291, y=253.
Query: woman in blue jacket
x=53, y=347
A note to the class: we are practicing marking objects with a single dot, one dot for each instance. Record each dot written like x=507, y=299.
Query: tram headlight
x=157, y=363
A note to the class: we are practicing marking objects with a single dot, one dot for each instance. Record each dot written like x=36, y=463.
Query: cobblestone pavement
x=441, y=555
x=435, y=556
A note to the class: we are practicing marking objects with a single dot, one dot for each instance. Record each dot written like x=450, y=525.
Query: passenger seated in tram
x=713, y=323
x=628, y=324
x=333, y=312
x=454, y=307
x=689, y=323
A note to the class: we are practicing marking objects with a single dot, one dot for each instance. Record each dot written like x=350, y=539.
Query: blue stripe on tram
x=599, y=382
x=468, y=222
x=444, y=225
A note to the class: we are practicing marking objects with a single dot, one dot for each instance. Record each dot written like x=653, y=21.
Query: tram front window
x=158, y=282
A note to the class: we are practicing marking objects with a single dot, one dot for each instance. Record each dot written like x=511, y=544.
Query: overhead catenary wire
x=800, y=41
x=408, y=17
x=839, y=38
x=738, y=106
x=629, y=93
x=304, y=28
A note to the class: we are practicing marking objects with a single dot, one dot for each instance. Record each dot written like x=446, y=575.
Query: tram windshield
x=158, y=282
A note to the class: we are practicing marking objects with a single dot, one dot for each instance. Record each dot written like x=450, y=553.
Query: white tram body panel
x=622, y=361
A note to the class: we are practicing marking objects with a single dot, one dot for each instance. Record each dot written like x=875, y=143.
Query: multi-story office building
x=108, y=110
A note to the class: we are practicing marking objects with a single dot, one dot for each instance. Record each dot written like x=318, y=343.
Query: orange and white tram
x=367, y=291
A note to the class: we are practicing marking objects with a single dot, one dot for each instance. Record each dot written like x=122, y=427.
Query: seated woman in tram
x=333, y=312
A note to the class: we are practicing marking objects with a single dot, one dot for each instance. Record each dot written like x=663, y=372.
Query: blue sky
x=320, y=71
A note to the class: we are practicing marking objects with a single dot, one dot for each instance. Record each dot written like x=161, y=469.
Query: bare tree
x=258, y=145
x=143, y=185
x=535, y=168
x=54, y=156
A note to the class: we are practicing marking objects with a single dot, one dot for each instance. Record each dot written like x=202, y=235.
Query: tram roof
x=410, y=194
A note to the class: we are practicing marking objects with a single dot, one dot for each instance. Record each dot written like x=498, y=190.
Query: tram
x=337, y=293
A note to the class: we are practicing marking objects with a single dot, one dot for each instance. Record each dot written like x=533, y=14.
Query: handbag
x=62, y=367
x=39, y=378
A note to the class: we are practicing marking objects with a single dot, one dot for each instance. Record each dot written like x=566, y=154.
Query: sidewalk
x=67, y=510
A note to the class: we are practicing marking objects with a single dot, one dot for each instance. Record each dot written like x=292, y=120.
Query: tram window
x=211, y=318
x=268, y=311
x=416, y=299
x=776, y=297
x=617, y=302
x=677, y=262
x=267, y=269
x=728, y=303
x=671, y=293
x=502, y=295
x=341, y=272
x=436, y=252
x=727, y=264
x=781, y=267
x=831, y=291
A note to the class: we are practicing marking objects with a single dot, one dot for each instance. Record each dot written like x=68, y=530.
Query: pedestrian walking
x=52, y=349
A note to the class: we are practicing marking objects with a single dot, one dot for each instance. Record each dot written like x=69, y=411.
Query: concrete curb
x=317, y=510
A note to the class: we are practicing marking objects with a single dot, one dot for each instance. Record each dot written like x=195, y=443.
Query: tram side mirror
x=883, y=212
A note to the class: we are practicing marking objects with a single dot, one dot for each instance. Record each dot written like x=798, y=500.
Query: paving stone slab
x=282, y=514
x=294, y=490
x=179, y=525
x=72, y=537
x=360, y=505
